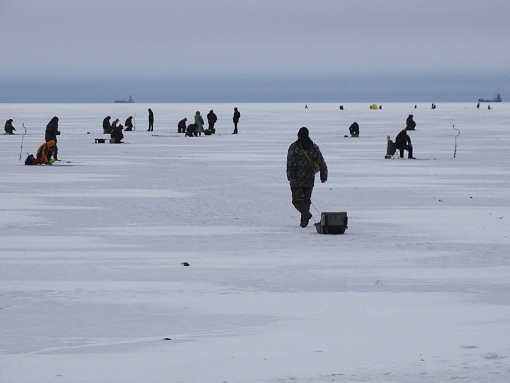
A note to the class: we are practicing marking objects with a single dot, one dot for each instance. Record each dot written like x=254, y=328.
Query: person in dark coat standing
x=9, y=129
x=235, y=119
x=211, y=120
x=107, y=127
x=410, y=124
x=403, y=142
x=199, y=122
x=51, y=135
x=151, y=121
x=301, y=173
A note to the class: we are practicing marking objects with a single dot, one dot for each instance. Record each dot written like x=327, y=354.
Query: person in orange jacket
x=44, y=152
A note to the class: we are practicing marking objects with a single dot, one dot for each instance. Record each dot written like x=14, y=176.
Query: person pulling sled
x=304, y=159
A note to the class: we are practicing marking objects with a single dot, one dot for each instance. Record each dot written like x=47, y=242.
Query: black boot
x=305, y=218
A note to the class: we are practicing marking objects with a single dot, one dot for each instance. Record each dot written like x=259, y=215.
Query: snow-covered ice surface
x=92, y=288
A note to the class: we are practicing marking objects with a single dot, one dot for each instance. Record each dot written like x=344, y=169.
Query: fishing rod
x=458, y=134
x=22, y=137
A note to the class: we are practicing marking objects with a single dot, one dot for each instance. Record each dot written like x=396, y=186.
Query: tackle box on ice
x=332, y=223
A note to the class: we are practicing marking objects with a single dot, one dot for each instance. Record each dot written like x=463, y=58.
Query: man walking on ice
x=304, y=159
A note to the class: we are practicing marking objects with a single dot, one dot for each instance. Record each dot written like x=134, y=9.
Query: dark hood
x=305, y=142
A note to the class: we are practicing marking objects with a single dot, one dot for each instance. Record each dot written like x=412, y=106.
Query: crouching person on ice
x=45, y=152
x=117, y=136
x=304, y=159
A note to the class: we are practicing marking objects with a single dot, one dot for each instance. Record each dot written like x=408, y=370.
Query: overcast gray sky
x=254, y=50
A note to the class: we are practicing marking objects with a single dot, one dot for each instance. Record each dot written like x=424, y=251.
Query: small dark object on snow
x=332, y=223
x=185, y=263
x=167, y=338
x=31, y=160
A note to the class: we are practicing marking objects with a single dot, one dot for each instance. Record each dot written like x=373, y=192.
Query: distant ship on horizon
x=497, y=98
x=128, y=100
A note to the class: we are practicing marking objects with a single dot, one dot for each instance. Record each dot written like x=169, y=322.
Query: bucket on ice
x=332, y=223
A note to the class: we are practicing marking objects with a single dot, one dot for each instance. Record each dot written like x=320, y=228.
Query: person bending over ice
x=45, y=152
x=9, y=129
x=403, y=142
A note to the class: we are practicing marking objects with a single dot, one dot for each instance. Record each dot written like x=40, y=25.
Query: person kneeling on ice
x=191, y=130
x=107, y=127
x=403, y=142
x=354, y=129
x=117, y=134
x=45, y=152
x=9, y=129
x=304, y=159
x=128, y=124
x=181, y=126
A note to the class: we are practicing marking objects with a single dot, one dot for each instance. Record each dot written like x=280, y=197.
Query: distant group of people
x=115, y=129
x=354, y=128
x=478, y=106
x=48, y=151
x=197, y=127
x=402, y=141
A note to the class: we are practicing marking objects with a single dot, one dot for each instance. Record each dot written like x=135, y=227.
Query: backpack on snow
x=31, y=160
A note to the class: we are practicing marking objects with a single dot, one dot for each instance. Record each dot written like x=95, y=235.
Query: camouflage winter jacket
x=299, y=167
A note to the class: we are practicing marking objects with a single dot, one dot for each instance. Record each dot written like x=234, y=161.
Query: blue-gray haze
x=254, y=50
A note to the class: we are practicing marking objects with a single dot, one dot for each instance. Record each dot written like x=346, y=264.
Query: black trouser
x=235, y=128
x=302, y=198
x=409, y=149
